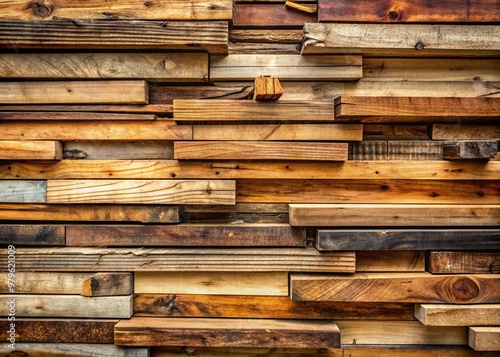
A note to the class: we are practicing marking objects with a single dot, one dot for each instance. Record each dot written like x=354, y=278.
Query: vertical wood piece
x=75, y=350
x=368, y=150
x=484, y=338
x=465, y=132
x=13, y=191
x=142, y=331
x=462, y=315
x=267, y=88
x=32, y=234
x=414, y=150
x=464, y=262
x=470, y=150
x=270, y=15
x=30, y=150
x=108, y=284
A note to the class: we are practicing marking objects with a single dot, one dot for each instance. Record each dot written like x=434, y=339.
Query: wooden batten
x=68, y=115
x=465, y=132
x=108, y=284
x=32, y=234
x=270, y=15
x=470, y=150
x=30, y=150
x=160, y=94
x=118, y=150
x=464, y=262
x=79, y=350
x=20, y=191
x=484, y=338
x=453, y=315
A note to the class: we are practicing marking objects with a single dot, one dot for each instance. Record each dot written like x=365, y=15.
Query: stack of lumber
x=250, y=178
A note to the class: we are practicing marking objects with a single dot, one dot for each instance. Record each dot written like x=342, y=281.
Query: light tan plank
x=390, y=261
x=465, y=132
x=484, y=338
x=30, y=150
x=458, y=315
x=67, y=115
x=12, y=191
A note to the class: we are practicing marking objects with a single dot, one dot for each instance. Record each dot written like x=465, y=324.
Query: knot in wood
x=463, y=289
x=40, y=10
x=393, y=15
x=419, y=46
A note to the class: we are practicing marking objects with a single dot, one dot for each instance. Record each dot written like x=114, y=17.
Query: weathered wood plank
x=62, y=115
x=230, y=110
x=220, y=192
x=470, y=150
x=60, y=331
x=270, y=15
x=414, y=150
x=12, y=191
x=407, y=11
x=119, y=150
x=194, y=259
x=246, y=67
x=108, y=284
x=110, y=307
x=75, y=350
x=395, y=132
x=265, y=36
x=75, y=92
x=30, y=150
x=465, y=132
x=18, y=235
x=484, y=338
x=419, y=109
x=462, y=315
x=230, y=235
x=243, y=48
x=407, y=239
x=91, y=111
x=378, y=215
x=259, y=150
x=166, y=94
x=393, y=287
x=368, y=150
x=212, y=283
x=141, y=331
x=390, y=261
x=463, y=262
x=244, y=306
x=295, y=132
x=389, y=40
x=210, y=36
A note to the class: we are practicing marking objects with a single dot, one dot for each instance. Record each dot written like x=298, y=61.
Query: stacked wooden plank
x=158, y=202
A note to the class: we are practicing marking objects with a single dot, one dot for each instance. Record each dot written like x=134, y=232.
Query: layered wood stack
x=162, y=203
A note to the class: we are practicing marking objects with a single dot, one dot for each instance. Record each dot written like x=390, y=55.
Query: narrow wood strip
x=465, y=132
x=414, y=150
x=265, y=36
x=30, y=150
x=160, y=94
x=119, y=150
x=12, y=191
x=76, y=350
x=484, y=338
x=62, y=115
x=111, y=110
x=368, y=150
x=244, y=48
x=32, y=234
x=270, y=15
x=395, y=132
x=463, y=262
x=390, y=261
x=470, y=150
x=462, y=315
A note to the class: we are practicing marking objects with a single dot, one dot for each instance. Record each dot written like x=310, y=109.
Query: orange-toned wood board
x=30, y=150
x=270, y=15
x=69, y=115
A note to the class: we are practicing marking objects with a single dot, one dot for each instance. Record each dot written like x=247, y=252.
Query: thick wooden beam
x=75, y=350
x=142, y=331
x=259, y=150
x=464, y=262
x=484, y=338
x=32, y=234
x=462, y=315
x=30, y=150
x=270, y=15
x=208, y=235
x=465, y=132
x=210, y=36
x=470, y=150
x=12, y=191
x=368, y=150
x=393, y=287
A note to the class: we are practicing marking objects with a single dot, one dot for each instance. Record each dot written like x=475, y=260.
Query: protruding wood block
x=484, y=338
x=267, y=88
x=462, y=315
x=142, y=331
x=30, y=150
x=108, y=284
x=464, y=262
x=414, y=150
x=470, y=150
x=76, y=350
x=32, y=234
x=17, y=191
x=465, y=132
x=270, y=15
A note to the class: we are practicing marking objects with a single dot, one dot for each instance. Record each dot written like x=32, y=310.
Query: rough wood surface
x=368, y=150
x=32, y=234
x=470, y=150
x=389, y=40
x=91, y=111
x=62, y=115
x=259, y=150
x=414, y=150
x=390, y=261
x=30, y=150
x=119, y=150
x=267, y=88
x=12, y=191
x=484, y=338
x=464, y=262
x=186, y=235
x=166, y=94
x=243, y=48
x=75, y=350
x=395, y=132
x=465, y=132
x=75, y=92
x=378, y=215
x=453, y=315
x=108, y=284
x=265, y=35
x=141, y=331
x=393, y=287
x=270, y=15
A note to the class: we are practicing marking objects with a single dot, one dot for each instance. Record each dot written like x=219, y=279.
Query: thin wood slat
x=119, y=150
x=270, y=15
x=385, y=40
x=30, y=150
x=414, y=150
x=208, y=260
x=394, y=132
x=91, y=111
x=76, y=350
x=75, y=92
x=484, y=338
x=407, y=239
x=220, y=192
x=32, y=234
x=379, y=215
x=62, y=115
x=463, y=262
x=470, y=150
x=394, y=287
x=210, y=36
x=16, y=191
x=259, y=150
x=141, y=331
x=207, y=235
x=462, y=315
x=166, y=94
x=465, y=132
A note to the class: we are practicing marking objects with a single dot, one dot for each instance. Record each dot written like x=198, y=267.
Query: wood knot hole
x=148, y=3
x=419, y=46
x=40, y=10
x=393, y=15
x=464, y=289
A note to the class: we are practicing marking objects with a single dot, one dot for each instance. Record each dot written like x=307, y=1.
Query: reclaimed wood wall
x=250, y=178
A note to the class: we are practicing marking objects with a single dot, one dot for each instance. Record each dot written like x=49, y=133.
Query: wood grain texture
x=270, y=15
x=208, y=235
x=402, y=40
x=470, y=150
x=62, y=115
x=368, y=150
x=407, y=239
x=119, y=150
x=394, y=287
x=140, y=331
x=463, y=315
x=244, y=48
x=257, y=307
x=12, y=191
x=108, y=284
x=465, y=132
x=166, y=94
x=75, y=92
x=390, y=261
x=210, y=36
x=91, y=111
x=259, y=150
x=141, y=192
x=406, y=11
x=267, y=88
x=414, y=150
x=463, y=262
x=395, y=132
x=30, y=150
x=484, y=338
x=20, y=234
x=76, y=350
x=377, y=215
x=266, y=35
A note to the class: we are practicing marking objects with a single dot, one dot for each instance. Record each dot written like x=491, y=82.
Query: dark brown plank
x=464, y=262
x=470, y=150
x=19, y=235
x=368, y=150
x=270, y=15
x=167, y=94
x=414, y=150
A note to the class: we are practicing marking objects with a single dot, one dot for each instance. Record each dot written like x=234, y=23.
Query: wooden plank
x=270, y=15
x=419, y=109
x=265, y=307
x=155, y=67
x=220, y=192
x=119, y=150
x=243, y=48
x=484, y=338
x=75, y=92
x=407, y=239
x=284, y=132
x=465, y=132
x=108, y=284
x=230, y=110
x=267, y=88
x=142, y=331
x=463, y=262
x=259, y=150
x=246, y=67
x=407, y=11
x=23, y=191
x=194, y=259
x=62, y=115
x=212, y=283
x=390, y=261
x=166, y=94
x=462, y=315
x=37, y=234
x=75, y=350
x=470, y=150
x=96, y=131
x=241, y=212
x=368, y=150
x=395, y=132
x=414, y=150
x=110, y=307
x=393, y=287
x=30, y=150
x=210, y=36
x=379, y=215
x=207, y=235
x=265, y=35
x=91, y=111
x=385, y=40
x=60, y=331
x=81, y=213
